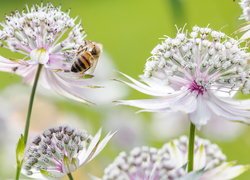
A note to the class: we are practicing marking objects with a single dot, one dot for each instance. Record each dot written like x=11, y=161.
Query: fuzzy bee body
x=87, y=57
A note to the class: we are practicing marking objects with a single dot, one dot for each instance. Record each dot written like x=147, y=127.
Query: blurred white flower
x=196, y=73
x=61, y=150
x=47, y=37
x=169, y=162
x=130, y=128
x=168, y=125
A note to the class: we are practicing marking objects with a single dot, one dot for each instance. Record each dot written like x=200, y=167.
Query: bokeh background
x=128, y=31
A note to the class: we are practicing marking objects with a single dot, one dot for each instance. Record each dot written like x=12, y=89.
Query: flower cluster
x=245, y=5
x=197, y=73
x=169, y=162
x=61, y=150
x=47, y=36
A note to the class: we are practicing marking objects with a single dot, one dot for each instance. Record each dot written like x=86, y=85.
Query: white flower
x=45, y=35
x=196, y=73
x=245, y=5
x=61, y=150
x=130, y=128
x=169, y=163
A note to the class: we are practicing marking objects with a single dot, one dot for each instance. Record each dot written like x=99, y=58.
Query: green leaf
x=46, y=173
x=87, y=76
x=20, y=150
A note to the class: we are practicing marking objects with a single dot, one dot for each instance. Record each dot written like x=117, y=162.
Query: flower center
x=40, y=55
x=195, y=87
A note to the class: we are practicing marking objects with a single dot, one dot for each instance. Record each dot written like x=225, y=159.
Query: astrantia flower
x=45, y=35
x=245, y=5
x=196, y=73
x=169, y=163
x=61, y=150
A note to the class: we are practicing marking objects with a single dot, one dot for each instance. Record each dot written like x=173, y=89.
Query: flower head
x=46, y=35
x=197, y=73
x=245, y=5
x=61, y=150
x=169, y=162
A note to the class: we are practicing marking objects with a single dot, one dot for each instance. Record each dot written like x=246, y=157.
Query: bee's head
x=94, y=48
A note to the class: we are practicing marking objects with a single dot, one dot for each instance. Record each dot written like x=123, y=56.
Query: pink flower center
x=199, y=89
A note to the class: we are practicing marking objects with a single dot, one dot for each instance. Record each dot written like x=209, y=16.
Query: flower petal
x=146, y=89
x=230, y=109
x=85, y=156
x=200, y=158
x=225, y=171
x=102, y=144
x=202, y=113
x=63, y=87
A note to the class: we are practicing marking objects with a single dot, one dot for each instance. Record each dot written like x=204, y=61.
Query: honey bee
x=87, y=57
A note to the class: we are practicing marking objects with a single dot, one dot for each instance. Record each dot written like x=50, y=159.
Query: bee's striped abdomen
x=82, y=63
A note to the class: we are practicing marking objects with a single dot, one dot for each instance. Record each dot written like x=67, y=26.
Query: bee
x=87, y=57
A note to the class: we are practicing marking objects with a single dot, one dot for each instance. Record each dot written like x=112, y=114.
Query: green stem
x=27, y=123
x=18, y=170
x=70, y=176
x=191, y=147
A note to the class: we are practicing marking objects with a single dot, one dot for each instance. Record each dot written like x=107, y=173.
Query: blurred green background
x=128, y=31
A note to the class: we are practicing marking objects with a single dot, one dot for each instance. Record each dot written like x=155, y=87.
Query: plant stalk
x=27, y=123
x=70, y=176
x=191, y=148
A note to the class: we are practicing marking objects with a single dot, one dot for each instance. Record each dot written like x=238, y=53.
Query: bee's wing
x=92, y=69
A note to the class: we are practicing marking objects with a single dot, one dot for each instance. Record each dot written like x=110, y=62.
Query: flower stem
x=18, y=170
x=70, y=176
x=191, y=147
x=27, y=123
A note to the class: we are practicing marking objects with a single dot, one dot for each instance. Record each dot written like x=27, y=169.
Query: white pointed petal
x=193, y=175
x=187, y=103
x=102, y=144
x=245, y=28
x=7, y=65
x=200, y=158
x=230, y=109
x=64, y=88
x=85, y=156
x=150, y=104
x=52, y=174
x=180, y=158
x=246, y=35
x=156, y=83
x=147, y=90
x=225, y=171
x=202, y=113
x=21, y=68
x=162, y=103
x=28, y=73
x=35, y=176
x=144, y=88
